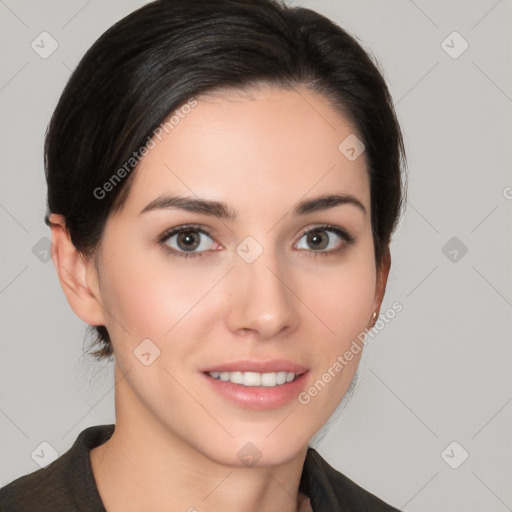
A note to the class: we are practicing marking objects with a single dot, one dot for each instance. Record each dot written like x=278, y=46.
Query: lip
x=258, y=397
x=253, y=365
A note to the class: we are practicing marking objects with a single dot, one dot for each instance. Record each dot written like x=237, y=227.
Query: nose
x=262, y=299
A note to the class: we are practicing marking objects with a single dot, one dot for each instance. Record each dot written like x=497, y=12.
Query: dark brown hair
x=155, y=59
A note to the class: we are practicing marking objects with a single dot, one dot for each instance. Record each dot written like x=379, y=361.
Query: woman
x=224, y=177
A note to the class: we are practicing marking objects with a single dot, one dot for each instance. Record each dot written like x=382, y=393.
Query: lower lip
x=258, y=397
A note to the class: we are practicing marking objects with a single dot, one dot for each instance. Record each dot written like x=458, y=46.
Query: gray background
x=439, y=372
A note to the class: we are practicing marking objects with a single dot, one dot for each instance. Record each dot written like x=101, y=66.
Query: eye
x=186, y=241
x=326, y=240
x=192, y=241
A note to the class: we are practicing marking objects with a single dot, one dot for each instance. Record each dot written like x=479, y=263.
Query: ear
x=77, y=275
x=380, y=288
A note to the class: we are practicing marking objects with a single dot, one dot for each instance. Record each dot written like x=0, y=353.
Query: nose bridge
x=261, y=300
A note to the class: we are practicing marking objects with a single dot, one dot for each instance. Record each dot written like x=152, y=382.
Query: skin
x=176, y=441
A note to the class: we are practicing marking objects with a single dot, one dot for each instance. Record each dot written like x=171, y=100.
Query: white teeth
x=254, y=378
x=251, y=379
x=269, y=379
x=281, y=377
x=236, y=377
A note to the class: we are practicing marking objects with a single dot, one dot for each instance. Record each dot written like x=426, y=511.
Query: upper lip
x=253, y=365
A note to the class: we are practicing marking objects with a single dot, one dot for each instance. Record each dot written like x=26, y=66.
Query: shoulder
x=39, y=490
x=331, y=490
x=67, y=484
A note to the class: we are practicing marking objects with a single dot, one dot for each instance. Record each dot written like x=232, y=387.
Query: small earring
x=372, y=318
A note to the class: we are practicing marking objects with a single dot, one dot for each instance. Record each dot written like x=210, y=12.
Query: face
x=268, y=287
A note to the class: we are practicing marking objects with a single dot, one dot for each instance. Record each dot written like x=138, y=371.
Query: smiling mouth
x=255, y=379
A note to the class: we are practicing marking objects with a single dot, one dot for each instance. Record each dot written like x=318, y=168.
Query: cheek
x=148, y=296
x=345, y=298
x=343, y=303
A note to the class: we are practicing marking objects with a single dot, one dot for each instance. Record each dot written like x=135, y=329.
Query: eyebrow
x=221, y=210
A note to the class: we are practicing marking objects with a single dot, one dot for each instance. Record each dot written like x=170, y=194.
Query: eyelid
x=341, y=232
x=178, y=229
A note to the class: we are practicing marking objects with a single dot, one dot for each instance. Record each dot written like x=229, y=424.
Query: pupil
x=188, y=239
x=316, y=237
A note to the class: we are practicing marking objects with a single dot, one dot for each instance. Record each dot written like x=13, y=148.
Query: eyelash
x=349, y=239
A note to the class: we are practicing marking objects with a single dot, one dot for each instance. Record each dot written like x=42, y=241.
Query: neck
x=144, y=466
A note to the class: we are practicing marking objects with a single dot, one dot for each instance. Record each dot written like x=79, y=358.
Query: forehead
x=265, y=146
